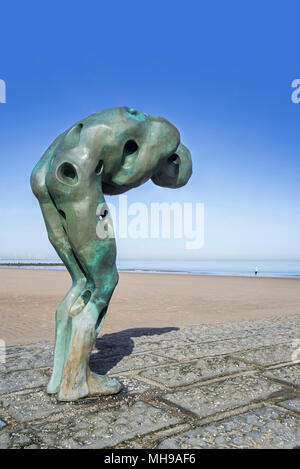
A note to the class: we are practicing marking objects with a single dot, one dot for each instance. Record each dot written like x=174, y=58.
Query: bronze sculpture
x=105, y=153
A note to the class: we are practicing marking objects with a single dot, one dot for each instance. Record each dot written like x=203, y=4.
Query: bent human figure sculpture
x=105, y=153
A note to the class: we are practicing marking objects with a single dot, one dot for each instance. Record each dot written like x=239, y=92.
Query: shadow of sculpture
x=113, y=348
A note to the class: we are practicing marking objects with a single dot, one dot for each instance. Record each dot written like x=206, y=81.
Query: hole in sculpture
x=99, y=167
x=132, y=111
x=130, y=147
x=103, y=215
x=174, y=159
x=86, y=296
x=68, y=173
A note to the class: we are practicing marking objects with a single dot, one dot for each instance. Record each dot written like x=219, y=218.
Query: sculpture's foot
x=71, y=394
x=96, y=385
x=102, y=384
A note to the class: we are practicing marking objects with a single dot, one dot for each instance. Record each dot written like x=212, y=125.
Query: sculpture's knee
x=103, y=293
x=57, y=240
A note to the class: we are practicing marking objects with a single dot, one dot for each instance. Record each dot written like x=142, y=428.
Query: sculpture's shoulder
x=38, y=175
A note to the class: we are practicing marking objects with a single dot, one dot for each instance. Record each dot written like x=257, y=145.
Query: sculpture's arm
x=75, y=182
x=53, y=219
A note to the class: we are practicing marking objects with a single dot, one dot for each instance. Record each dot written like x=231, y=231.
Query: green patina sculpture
x=105, y=153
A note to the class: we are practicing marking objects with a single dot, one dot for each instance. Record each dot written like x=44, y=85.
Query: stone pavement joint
x=232, y=385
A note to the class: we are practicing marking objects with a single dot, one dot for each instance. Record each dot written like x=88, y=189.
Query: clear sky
x=220, y=71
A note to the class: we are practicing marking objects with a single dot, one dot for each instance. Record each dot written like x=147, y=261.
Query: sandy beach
x=28, y=299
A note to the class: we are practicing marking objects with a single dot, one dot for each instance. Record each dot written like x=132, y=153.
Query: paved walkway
x=233, y=385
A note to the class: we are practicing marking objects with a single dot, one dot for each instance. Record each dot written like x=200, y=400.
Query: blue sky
x=220, y=71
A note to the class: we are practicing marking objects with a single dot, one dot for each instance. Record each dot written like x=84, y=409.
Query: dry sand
x=28, y=299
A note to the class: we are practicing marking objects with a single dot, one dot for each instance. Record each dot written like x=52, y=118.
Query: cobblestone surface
x=192, y=372
x=290, y=374
x=268, y=355
x=211, y=348
x=218, y=397
x=25, y=407
x=263, y=428
x=19, y=380
x=292, y=404
x=98, y=429
x=118, y=363
x=23, y=358
x=233, y=385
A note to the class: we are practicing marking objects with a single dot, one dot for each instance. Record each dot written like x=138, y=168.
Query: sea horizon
x=243, y=268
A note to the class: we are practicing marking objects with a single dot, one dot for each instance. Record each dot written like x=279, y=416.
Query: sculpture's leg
x=59, y=240
x=78, y=380
x=63, y=324
x=74, y=379
x=62, y=336
x=102, y=384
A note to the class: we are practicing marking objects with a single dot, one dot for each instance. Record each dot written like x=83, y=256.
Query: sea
x=244, y=268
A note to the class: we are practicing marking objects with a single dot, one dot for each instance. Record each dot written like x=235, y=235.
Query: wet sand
x=28, y=299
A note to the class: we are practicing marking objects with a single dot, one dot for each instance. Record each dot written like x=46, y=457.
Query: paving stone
x=193, y=350
x=147, y=339
x=265, y=339
x=32, y=406
x=183, y=337
x=132, y=385
x=245, y=339
x=109, y=347
x=37, y=356
x=106, y=350
x=220, y=396
x=119, y=364
x=292, y=404
x=290, y=374
x=263, y=428
x=192, y=372
x=19, y=380
x=136, y=340
x=100, y=429
x=253, y=338
x=19, y=438
x=18, y=351
x=4, y=440
x=268, y=356
x=37, y=405
x=271, y=326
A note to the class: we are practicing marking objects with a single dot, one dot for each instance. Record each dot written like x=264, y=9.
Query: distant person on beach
x=255, y=270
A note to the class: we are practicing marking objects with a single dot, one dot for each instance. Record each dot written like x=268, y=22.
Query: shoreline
x=53, y=267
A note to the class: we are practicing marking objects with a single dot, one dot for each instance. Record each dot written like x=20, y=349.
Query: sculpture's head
x=126, y=147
